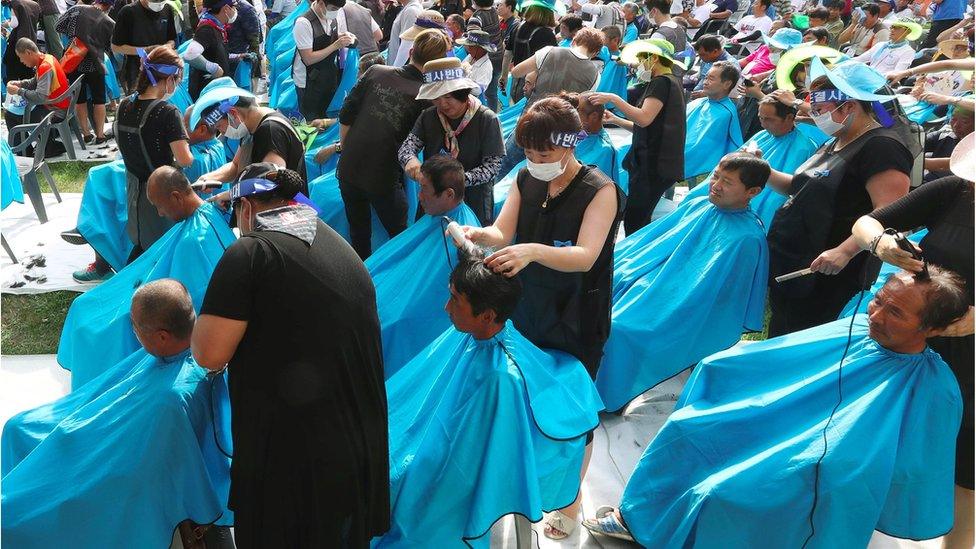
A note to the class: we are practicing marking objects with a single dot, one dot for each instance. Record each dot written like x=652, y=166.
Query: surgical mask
x=826, y=123
x=236, y=132
x=156, y=6
x=644, y=71
x=546, y=171
x=232, y=18
x=331, y=15
x=166, y=92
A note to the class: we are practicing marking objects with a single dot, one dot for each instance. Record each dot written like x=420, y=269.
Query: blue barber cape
x=280, y=50
x=98, y=331
x=509, y=116
x=324, y=193
x=734, y=464
x=312, y=168
x=286, y=100
x=103, y=213
x=476, y=434
x=712, y=132
x=207, y=157
x=683, y=288
x=614, y=79
x=11, y=189
x=119, y=462
x=411, y=304
x=596, y=150
x=785, y=154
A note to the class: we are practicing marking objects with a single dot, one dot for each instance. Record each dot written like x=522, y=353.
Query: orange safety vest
x=60, y=83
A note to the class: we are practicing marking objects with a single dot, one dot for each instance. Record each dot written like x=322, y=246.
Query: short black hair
x=444, y=173
x=484, y=3
x=572, y=21
x=729, y=73
x=460, y=95
x=839, y=4
x=708, y=42
x=819, y=13
x=486, y=289
x=945, y=297
x=289, y=182
x=871, y=8
x=782, y=109
x=766, y=3
x=511, y=4
x=612, y=32
x=820, y=33
x=663, y=6
x=753, y=171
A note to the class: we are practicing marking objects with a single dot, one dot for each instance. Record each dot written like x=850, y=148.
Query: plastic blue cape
x=119, y=462
x=98, y=331
x=103, y=213
x=630, y=34
x=287, y=98
x=814, y=133
x=280, y=49
x=410, y=304
x=713, y=131
x=111, y=81
x=613, y=79
x=324, y=192
x=596, y=150
x=207, y=157
x=509, y=117
x=734, y=464
x=886, y=271
x=181, y=96
x=11, y=189
x=785, y=154
x=683, y=288
x=475, y=435
x=242, y=76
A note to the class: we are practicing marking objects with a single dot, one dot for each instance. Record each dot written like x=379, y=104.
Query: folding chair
x=37, y=135
x=67, y=127
x=6, y=248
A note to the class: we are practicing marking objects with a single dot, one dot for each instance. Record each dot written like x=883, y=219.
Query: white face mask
x=546, y=171
x=331, y=15
x=233, y=18
x=774, y=56
x=644, y=71
x=156, y=6
x=826, y=123
x=166, y=92
x=236, y=132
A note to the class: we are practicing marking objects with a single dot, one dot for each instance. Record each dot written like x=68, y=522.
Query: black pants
x=935, y=30
x=481, y=200
x=646, y=190
x=137, y=250
x=791, y=314
x=391, y=209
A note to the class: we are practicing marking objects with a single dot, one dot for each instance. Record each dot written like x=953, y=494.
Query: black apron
x=144, y=225
x=565, y=311
x=322, y=78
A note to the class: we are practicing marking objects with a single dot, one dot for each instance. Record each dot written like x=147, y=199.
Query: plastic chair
x=6, y=248
x=37, y=135
x=68, y=126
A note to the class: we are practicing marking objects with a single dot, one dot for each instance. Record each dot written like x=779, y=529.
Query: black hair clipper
x=901, y=239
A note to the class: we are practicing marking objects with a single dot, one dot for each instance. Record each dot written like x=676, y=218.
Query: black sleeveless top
x=565, y=311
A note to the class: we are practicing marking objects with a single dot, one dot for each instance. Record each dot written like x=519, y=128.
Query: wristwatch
x=338, y=146
x=796, y=103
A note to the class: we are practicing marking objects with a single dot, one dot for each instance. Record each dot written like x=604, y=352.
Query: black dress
x=309, y=415
x=945, y=208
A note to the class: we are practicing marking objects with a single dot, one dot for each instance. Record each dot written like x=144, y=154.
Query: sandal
x=559, y=526
x=606, y=524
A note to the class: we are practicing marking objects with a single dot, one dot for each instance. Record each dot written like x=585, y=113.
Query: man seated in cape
x=409, y=304
x=742, y=460
x=713, y=121
x=123, y=460
x=688, y=285
x=102, y=216
x=97, y=331
x=596, y=149
x=482, y=422
x=783, y=146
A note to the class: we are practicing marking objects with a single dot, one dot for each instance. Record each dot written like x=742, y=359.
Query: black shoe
x=73, y=237
x=101, y=142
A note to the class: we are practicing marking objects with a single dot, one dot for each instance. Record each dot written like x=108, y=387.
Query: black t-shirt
x=481, y=139
x=48, y=7
x=214, y=49
x=306, y=381
x=138, y=26
x=274, y=137
x=163, y=126
x=528, y=39
x=649, y=138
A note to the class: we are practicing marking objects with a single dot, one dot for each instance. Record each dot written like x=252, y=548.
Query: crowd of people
x=371, y=273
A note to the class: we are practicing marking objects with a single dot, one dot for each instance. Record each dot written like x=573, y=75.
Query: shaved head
x=164, y=305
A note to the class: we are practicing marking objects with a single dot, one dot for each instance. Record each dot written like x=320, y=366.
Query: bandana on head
x=829, y=96
x=567, y=139
x=148, y=68
x=443, y=75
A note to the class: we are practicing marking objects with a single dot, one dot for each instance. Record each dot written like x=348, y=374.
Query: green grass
x=69, y=175
x=31, y=324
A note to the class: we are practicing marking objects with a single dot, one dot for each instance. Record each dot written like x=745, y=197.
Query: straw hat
x=442, y=76
x=632, y=52
x=963, y=161
x=946, y=47
x=914, y=29
x=428, y=19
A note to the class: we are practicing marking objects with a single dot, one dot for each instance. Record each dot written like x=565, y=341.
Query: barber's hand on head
x=783, y=96
x=889, y=252
x=510, y=260
x=412, y=169
x=830, y=262
x=600, y=98
x=962, y=327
